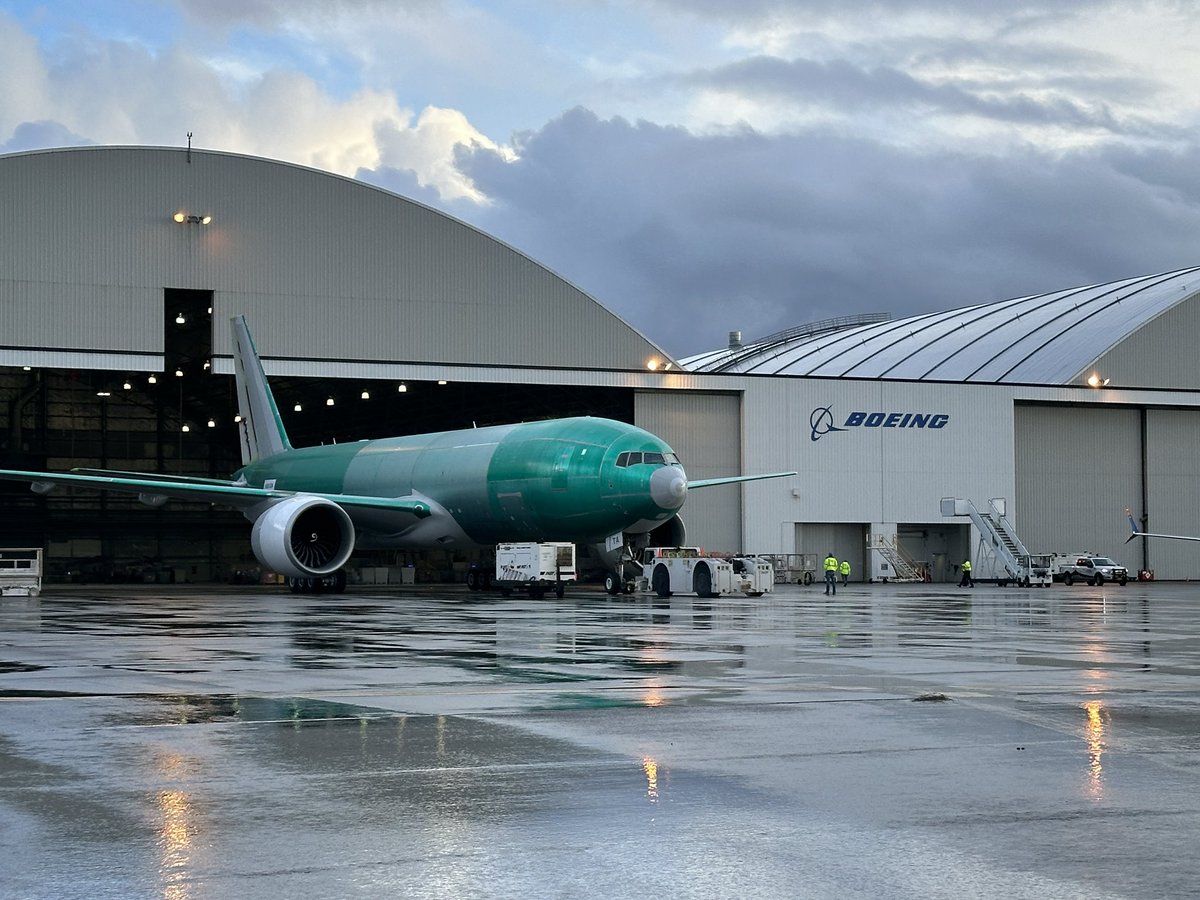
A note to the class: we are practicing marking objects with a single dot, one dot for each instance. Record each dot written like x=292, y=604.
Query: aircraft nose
x=668, y=487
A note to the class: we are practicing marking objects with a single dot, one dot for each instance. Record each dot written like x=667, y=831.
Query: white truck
x=685, y=570
x=535, y=567
x=1089, y=567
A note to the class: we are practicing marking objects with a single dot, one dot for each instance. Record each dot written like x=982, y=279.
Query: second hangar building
x=118, y=264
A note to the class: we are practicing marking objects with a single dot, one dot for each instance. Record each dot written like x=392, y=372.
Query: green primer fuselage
x=551, y=480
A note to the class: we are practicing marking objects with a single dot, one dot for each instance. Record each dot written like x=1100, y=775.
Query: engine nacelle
x=303, y=536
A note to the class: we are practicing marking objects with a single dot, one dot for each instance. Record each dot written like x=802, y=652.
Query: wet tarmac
x=893, y=741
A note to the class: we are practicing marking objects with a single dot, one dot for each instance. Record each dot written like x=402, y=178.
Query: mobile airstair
x=888, y=546
x=1000, y=551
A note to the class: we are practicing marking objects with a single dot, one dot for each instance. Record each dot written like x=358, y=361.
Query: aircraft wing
x=734, y=479
x=1172, y=537
x=155, y=489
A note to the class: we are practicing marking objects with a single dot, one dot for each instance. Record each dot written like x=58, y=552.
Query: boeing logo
x=821, y=421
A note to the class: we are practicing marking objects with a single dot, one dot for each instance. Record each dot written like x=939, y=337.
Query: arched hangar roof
x=333, y=274
x=1057, y=338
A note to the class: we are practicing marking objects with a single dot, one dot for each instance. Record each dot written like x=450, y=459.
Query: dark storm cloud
x=688, y=237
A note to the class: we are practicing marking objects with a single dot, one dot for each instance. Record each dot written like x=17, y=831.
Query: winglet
x=263, y=433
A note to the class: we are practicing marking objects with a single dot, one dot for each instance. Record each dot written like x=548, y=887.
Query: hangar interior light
x=402, y=388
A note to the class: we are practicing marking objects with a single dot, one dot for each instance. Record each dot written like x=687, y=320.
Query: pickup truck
x=1095, y=570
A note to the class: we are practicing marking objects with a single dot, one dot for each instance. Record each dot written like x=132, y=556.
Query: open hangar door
x=938, y=549
x=843, y=540
x=1077, y=468
x=60, y=419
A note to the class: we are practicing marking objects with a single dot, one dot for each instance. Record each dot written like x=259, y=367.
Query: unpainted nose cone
x=668, y=487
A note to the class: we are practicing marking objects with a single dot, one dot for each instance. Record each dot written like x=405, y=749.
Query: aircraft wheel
x=661, y=582
x=473, y=580
x=612, y=584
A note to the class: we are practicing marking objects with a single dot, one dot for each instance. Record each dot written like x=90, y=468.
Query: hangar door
x=1077, y=468
x=705, y=430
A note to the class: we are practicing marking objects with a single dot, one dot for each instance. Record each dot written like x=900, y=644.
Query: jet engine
x=303, y=536
x=670, y=533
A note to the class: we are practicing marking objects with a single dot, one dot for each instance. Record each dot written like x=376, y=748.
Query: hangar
x=376, y=315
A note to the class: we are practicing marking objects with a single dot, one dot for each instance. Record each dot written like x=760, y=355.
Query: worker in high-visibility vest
x=844, y=569
x=831, y=571
x=967, y=580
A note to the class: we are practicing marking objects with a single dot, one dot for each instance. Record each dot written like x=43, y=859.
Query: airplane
x=586, y=480
x=1133, y=527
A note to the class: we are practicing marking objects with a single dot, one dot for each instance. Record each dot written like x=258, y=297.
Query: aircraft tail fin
x=1135, y=532
x=262, y=429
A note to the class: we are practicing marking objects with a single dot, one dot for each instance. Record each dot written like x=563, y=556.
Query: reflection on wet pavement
x=197, y=744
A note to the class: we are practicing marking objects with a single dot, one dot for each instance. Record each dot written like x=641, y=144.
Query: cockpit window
x=637, y=458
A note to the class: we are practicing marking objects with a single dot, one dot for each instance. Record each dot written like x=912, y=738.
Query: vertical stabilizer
x=263, y=433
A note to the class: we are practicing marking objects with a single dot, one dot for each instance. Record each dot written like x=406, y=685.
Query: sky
x=697, y=166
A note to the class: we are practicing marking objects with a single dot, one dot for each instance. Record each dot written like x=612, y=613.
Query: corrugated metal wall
x=1160, y=354
x=1077, y=470
x=705, y=431
x=1172, y=492
x=324, y=267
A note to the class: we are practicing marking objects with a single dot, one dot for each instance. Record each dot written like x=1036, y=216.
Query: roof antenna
x=189, y=150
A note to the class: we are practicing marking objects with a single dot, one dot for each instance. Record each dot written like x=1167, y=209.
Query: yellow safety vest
x=845, y=567
x=967, y=566
x=831, y=564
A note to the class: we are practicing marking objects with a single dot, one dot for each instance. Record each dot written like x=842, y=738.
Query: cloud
x=38, y=135
x=689, y=236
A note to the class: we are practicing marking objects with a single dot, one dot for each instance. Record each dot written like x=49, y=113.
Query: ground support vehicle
x=21, y=572
x=533, y=567
x=1037, y=569
x=792, y=568
x=1095, y=570
x=686, y=570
